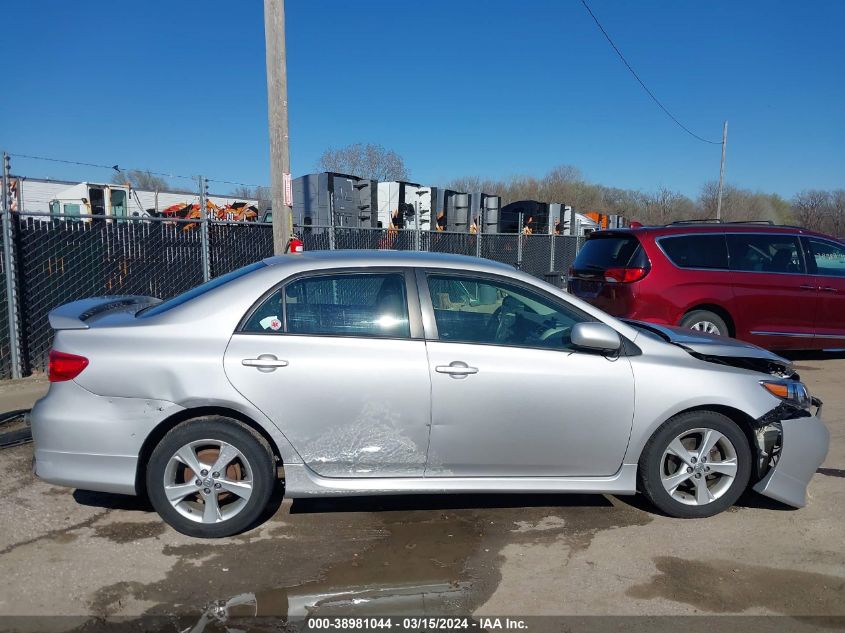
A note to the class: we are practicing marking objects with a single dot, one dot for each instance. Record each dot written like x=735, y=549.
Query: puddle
x=129, y=532
x=421, y=555
x=419, y=567
x=730, y=587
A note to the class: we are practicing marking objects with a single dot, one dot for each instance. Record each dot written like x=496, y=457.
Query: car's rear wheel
x=695, y=465
x=210, y=477
x=706, y=322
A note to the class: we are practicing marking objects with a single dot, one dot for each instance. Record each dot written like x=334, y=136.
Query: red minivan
x=776, y=286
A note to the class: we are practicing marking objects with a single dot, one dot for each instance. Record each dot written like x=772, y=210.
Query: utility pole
x=722, y=171
x=277, y=111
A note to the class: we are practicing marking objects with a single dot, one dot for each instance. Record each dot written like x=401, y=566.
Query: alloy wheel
x=708, y=327
x=208, y=481
x=698, y=466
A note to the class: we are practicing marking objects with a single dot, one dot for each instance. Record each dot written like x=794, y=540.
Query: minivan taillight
x=65, y=366
x=624, y=275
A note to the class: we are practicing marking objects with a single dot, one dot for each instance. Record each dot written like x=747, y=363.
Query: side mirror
x=595, y=336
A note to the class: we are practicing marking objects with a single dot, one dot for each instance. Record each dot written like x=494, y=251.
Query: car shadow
x=754, y=500
x=398, y=503
x=109, y=501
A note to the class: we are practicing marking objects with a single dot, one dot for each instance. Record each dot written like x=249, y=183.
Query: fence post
x=418, y=233
x=519, y=237
x=552, y=251
x=204, y=233
x=11, y=276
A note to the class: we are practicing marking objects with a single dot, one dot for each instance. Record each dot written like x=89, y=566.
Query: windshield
x=193, y=293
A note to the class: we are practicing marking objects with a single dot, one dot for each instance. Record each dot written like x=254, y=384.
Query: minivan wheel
x=695, y=465
x=706, y=322
x=210, y=477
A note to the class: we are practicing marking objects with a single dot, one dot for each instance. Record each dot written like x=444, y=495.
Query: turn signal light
x=624, y=275
x=777, y=389
x=64, y=366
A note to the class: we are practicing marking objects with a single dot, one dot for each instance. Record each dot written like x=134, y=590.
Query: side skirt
x=301, y=481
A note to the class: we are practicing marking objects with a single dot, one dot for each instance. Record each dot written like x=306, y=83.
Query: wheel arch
x=167, y=424
x=744, y=421
x=715, y=309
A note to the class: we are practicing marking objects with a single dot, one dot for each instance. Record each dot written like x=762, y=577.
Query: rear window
x=193, y=293
x=613, y=251
x=696, y=251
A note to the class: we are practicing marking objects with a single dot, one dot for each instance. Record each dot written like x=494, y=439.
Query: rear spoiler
x=73, y=316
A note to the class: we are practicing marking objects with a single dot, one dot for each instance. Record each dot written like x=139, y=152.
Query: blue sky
x=458, y=88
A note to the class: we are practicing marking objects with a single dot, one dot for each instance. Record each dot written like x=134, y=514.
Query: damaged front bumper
x=790, y=450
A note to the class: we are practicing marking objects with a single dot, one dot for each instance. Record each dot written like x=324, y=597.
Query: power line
x=119, y=169
x=642, y=83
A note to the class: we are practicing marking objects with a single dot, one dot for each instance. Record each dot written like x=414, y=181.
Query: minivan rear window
x=696, y=251
x=612, y=251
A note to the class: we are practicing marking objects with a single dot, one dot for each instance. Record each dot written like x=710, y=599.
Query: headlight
x=791, y=391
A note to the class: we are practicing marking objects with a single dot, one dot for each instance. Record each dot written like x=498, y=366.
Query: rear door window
x=765, y=253
x=344, y=304
x=696, y=251
x=614, y=251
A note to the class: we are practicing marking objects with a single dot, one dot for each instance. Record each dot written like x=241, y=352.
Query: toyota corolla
x=364, y=373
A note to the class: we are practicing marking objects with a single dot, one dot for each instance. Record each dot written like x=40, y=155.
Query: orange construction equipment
x=237, y=211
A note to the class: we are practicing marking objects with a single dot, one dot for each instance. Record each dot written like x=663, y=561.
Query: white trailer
x=404, y=205
x=67, y=198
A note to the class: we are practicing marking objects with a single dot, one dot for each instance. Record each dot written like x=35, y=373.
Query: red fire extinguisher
x=295, y=245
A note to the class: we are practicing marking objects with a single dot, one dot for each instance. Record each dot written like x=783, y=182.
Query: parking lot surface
x=65, y=552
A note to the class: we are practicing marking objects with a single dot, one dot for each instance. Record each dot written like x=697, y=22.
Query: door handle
x=828, y=289
x=456, y=369
x=265, y=363
x=807, y=287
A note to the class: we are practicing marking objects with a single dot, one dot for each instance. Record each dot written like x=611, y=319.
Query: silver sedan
x=362, y=373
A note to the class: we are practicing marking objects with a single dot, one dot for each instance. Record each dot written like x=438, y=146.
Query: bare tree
x=140, y=179
x=836, y=213
x=665, y=206
x=262, y=194
x=365, y=161
x=809, y=208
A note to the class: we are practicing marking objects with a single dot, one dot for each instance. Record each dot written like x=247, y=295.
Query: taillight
x=65, y=366
x=624, y=275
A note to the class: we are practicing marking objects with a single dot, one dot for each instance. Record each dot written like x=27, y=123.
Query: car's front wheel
x=211, y=477
x=695, y=465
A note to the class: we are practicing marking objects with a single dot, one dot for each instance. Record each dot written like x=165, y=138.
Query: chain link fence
x=58, y=259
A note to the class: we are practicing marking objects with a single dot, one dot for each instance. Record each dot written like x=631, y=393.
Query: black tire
x=650, y=466
x=699, y=316
x=255, y=450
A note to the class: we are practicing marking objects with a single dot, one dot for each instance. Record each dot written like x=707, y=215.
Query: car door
x=774, y=295
x=827, y=262
x=510, y=396
x=337, y=360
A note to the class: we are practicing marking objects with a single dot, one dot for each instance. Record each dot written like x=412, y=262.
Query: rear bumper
x=804, y=445
x=103, y=473
x=92, y=442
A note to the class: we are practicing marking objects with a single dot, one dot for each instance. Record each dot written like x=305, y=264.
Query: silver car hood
x=721, y=349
